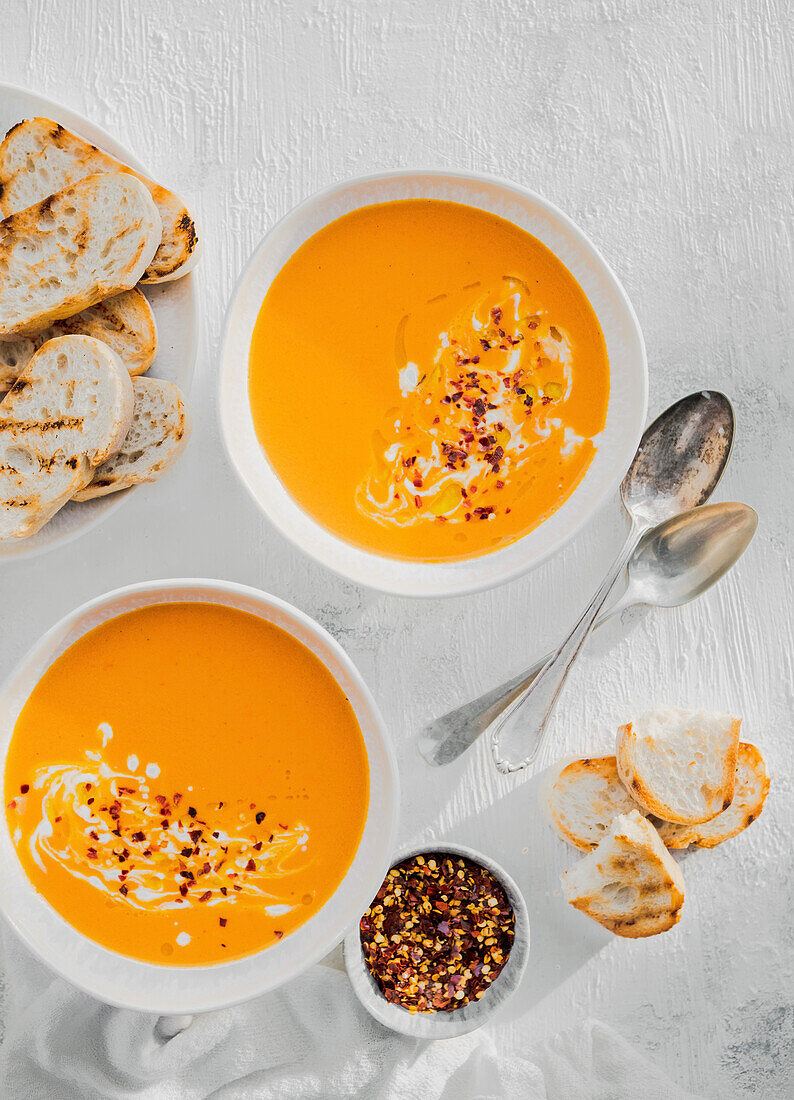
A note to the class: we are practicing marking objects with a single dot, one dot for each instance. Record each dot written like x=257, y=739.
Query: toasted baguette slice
x=585, y=798
x=73, y=249
x=749, y=796
x=68, y=412
x=39, y=157
x=125, y=323
x=680, y=765
x=630, y=883
x=157, y=436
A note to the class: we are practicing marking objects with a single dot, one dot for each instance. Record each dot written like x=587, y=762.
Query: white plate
x=627, y=400
x=178, y=990
x=174, y=306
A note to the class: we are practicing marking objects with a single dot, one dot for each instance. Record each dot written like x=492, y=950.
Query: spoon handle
x=536, y=703
x=447, y=737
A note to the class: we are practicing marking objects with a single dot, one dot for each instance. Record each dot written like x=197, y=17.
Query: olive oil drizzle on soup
x=186, y=784
x=427, y=380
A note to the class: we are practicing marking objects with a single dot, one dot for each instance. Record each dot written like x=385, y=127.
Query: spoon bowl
x=678, y=560
x=680, y=459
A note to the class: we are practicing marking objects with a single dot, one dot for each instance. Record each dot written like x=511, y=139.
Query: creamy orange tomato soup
x=427, y=379
x=186, y=784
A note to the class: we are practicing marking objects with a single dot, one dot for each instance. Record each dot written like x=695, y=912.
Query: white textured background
x=664, y=127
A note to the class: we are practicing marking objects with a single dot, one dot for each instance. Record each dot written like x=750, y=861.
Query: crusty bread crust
x=125, y=323
x=649, y=798
x=39, y=156
x=111, y=232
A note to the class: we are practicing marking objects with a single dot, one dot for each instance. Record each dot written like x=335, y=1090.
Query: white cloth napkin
x=308, y=1041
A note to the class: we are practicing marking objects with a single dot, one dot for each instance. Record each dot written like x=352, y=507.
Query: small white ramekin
x=445, y=1025
x=178, y=990
x=617, y=443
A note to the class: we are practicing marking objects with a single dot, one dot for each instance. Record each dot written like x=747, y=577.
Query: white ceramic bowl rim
x=625, y=346
x=446, y=1025
x=130, y=983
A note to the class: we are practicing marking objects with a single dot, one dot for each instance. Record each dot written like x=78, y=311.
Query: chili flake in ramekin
x=438, y=933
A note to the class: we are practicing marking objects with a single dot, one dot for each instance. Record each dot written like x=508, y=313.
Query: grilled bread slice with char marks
x=157, y=436
x=125, y=323
x=39, y=156
x=73, y=249
x=680, y=765
x=630, y=883
x=68, y=412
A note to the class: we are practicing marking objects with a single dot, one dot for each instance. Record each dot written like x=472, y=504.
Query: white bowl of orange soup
x=200, y=796
x=430, y=380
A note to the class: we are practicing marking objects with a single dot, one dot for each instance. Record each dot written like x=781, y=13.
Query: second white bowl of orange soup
x=199, y=795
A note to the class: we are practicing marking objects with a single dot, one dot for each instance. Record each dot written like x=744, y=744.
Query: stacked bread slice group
x=80, y=231
x=678, y=778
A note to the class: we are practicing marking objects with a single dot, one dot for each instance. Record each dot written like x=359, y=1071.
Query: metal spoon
x=674, y=563
x=680, y=459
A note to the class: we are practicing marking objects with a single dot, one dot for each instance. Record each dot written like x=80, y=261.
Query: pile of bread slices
x=678, y=778
x=80, y=419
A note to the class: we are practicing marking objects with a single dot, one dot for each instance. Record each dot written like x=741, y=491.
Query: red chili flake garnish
x=187, y=874
x=187, y=852
x=206, y=895
x=160, y=799
x=418, y=501
x=139, y=836
x=183, y=889
x=278, y=935
x=88, y=787
x=281, y=826
x=177, y=798
x=222, y=921
x=250, y=865
x=123, y=890
x=205, y=870
x=439, y=931
x=500, y=485
x=258, y=846
x=532, y=325
x=195, y=835
x=224, y=891
x=192, y=811
x=437, y=420
x=91, y=853
x=92, y=833
x=260, y=817
x=90, y=802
